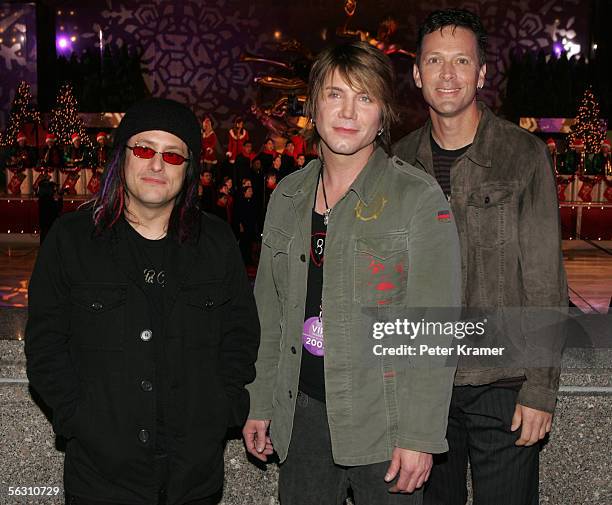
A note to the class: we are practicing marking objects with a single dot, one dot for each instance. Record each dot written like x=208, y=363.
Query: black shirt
x=443, y=159
x=312, y=375
x=149, y=255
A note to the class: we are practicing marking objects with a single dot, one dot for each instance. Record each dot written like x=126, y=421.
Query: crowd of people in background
x=236, y=182
x=237, y=185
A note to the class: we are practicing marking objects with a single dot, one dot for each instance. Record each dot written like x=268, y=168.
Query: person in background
x=227, y=189
x=288, y=160
x=208, y=191
x=50, y=161
x=602, y=164
x=76, y=155
x=20, y=158
x=300, y=161
x=267, y=154
x=242, y=166
x=246, y=218
x=209, y=145
x=102, y=150
x=238, y=135
x=20, y=154
x=299, y=142
x=276, y=168
x=76, y=158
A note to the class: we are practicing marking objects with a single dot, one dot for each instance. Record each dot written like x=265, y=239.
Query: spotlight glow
x=63, y=42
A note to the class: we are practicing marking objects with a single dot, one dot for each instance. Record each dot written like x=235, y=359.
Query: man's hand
x=413, y=468
x=256, y=439
x=536, y=424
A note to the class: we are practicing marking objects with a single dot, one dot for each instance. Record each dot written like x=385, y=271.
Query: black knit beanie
x=161, y=114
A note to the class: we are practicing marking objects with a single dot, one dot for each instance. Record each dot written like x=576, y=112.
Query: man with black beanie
x=142, y=329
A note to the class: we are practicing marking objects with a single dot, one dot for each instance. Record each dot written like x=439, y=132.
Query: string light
x=65, y=119
x=588, y=125
x=22, y=111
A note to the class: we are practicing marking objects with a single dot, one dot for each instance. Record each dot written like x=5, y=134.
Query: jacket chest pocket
x=381, y=269
x=487, y=215
x=203, y=313
x=279, y=244
x=97, y=316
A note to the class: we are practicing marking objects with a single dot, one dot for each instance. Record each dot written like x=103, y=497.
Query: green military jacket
x=397, y=217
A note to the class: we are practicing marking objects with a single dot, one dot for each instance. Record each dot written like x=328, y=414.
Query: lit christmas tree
x=588, y=126
x=65, y=119
x=22, y=111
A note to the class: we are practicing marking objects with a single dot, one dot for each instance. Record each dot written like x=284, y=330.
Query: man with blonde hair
x=353, y=229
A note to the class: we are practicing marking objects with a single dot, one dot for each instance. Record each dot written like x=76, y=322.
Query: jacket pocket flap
x=98, y=299
x=207, y=296
x=489, y=197
x=277, y=240
x=382, y=247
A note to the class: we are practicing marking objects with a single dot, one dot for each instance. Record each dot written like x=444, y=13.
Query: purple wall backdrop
x=191, y=48
x=17, y=52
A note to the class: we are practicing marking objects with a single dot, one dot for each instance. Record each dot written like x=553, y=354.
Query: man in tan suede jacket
x=500, y=184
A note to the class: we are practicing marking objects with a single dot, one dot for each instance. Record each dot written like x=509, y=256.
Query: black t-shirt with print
x=312, y=376
x=150, y=261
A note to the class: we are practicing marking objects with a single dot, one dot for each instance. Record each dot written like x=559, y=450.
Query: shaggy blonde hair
x=365, y=69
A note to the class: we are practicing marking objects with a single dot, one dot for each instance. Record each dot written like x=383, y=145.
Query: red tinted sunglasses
x=147, y=153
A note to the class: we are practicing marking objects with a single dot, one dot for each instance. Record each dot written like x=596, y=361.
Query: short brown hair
x=365, y=68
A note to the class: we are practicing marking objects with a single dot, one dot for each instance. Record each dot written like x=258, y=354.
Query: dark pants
x=309, y=475
x=161, y=472
x=479, y=430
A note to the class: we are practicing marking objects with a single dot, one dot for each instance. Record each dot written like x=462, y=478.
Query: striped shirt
x=443, y=160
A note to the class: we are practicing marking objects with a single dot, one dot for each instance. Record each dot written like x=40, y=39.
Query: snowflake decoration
x=191, y=51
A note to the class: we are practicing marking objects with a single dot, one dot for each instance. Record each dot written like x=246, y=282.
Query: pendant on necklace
x=326, y=216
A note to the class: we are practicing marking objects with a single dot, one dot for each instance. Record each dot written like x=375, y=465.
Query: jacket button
x=293, y=349
x=146, y=335
x=146, y=385
x=143, y=436
x=290, y=395
x=303, y=258
x=97, y=306
x=487, y=199
x=208, y=303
